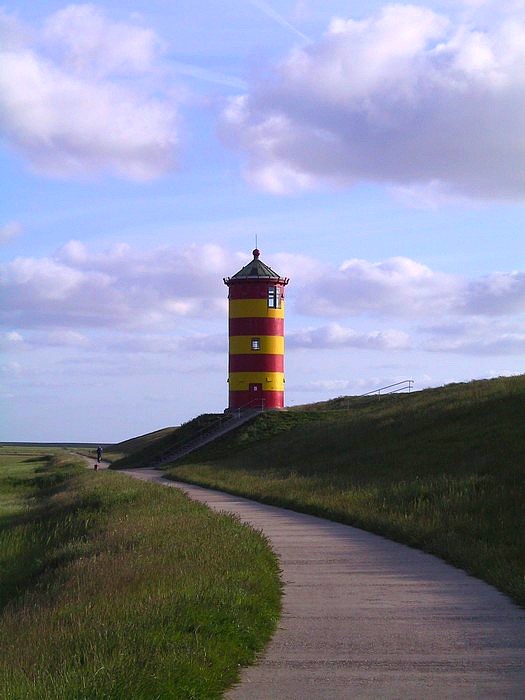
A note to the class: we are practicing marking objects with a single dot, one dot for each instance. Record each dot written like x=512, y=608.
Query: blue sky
x=376, y=150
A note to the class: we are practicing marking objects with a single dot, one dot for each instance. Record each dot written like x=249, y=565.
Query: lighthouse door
x=256, y=393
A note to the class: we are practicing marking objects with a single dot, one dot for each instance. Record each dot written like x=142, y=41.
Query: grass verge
x=112, y=588
x=442, y=470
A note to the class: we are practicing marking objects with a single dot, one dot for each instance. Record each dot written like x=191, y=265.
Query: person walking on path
x=99, y=453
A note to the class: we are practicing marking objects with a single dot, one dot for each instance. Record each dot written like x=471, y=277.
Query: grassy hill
x=141, y=442
x=120, y=450
x=146, y=449
x=441, y=469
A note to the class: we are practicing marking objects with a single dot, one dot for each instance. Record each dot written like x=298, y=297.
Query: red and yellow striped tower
x=256, y=336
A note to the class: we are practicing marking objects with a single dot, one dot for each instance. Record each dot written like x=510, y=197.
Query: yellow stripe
x=271, y=381
x=269, y=345
x=254, y=308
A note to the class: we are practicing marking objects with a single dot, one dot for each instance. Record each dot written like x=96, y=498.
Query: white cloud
x=430, y=195
x=170, y=344
x=497, y=294
x=476, y=337
x=74, y=252
x=406, y=97
x=336, y=336
x=331, y=385
x=215, y=343
x=9, y=231
x=169, y=299
x=399, y=287
x=354, y=387
x=46, y=279
x=82, y=98
x=404, y=288
x=11, y=341
x=505, y=344
x=94, y=45
x=300, y=268
x=66, y=338
x=11, y=368
x=120, y=287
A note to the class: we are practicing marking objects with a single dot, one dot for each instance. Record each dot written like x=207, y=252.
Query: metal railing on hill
x=219, y=427
x=404, y=385
x=254, y=404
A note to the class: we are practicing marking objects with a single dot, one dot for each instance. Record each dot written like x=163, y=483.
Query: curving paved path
x=364, y=617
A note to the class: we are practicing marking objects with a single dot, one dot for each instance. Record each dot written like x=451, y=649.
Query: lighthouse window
x=256, y=343
x=274, y=297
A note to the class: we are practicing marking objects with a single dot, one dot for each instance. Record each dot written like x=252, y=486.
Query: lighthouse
x=256, y=336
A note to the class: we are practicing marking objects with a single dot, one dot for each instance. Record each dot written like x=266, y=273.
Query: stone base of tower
x=247, y=399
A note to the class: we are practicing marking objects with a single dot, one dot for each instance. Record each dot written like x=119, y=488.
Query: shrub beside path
x=364, y=617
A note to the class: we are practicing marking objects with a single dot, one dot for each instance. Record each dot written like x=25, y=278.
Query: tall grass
x=442, y=470
x=22, y=478
x=128, y=590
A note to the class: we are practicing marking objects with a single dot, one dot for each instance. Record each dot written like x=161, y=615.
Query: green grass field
x=112, y=588
x=442, y=470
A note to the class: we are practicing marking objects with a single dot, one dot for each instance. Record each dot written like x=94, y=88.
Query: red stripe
x=256, y=326
x=253, y=290
x=256, y=363
x=243, y=399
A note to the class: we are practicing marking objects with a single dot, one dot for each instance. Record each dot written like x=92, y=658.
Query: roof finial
x=256, y=252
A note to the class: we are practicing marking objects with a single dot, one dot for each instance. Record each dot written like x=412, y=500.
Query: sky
x=376, y=150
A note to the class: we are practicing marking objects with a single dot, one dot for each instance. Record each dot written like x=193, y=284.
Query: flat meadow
x=112, y=588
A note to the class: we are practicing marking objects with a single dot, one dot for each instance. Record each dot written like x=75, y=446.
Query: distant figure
x=99, y=454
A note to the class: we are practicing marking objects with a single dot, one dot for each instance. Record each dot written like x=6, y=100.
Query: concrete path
x=364, y=617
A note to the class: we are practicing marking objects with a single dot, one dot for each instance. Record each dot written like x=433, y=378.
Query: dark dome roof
x=256, y=270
